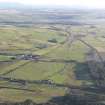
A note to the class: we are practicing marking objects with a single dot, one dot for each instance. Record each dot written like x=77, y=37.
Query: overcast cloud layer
x=80, y=3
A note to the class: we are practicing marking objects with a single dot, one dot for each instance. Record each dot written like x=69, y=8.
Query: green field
x=32, y=40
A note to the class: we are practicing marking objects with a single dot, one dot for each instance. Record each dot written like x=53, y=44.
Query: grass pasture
x=16, y=40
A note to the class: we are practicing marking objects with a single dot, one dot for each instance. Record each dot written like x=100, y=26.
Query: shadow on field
x=82, y=71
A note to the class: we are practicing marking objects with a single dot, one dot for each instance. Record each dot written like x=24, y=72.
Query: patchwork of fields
x=48, y=56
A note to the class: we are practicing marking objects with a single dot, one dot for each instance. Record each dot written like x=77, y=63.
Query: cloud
x=84, y=3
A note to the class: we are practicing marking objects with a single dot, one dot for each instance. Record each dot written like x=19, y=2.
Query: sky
x=80, y=3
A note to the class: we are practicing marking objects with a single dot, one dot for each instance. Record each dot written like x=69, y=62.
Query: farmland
x=25, y=41
x=45, y=60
